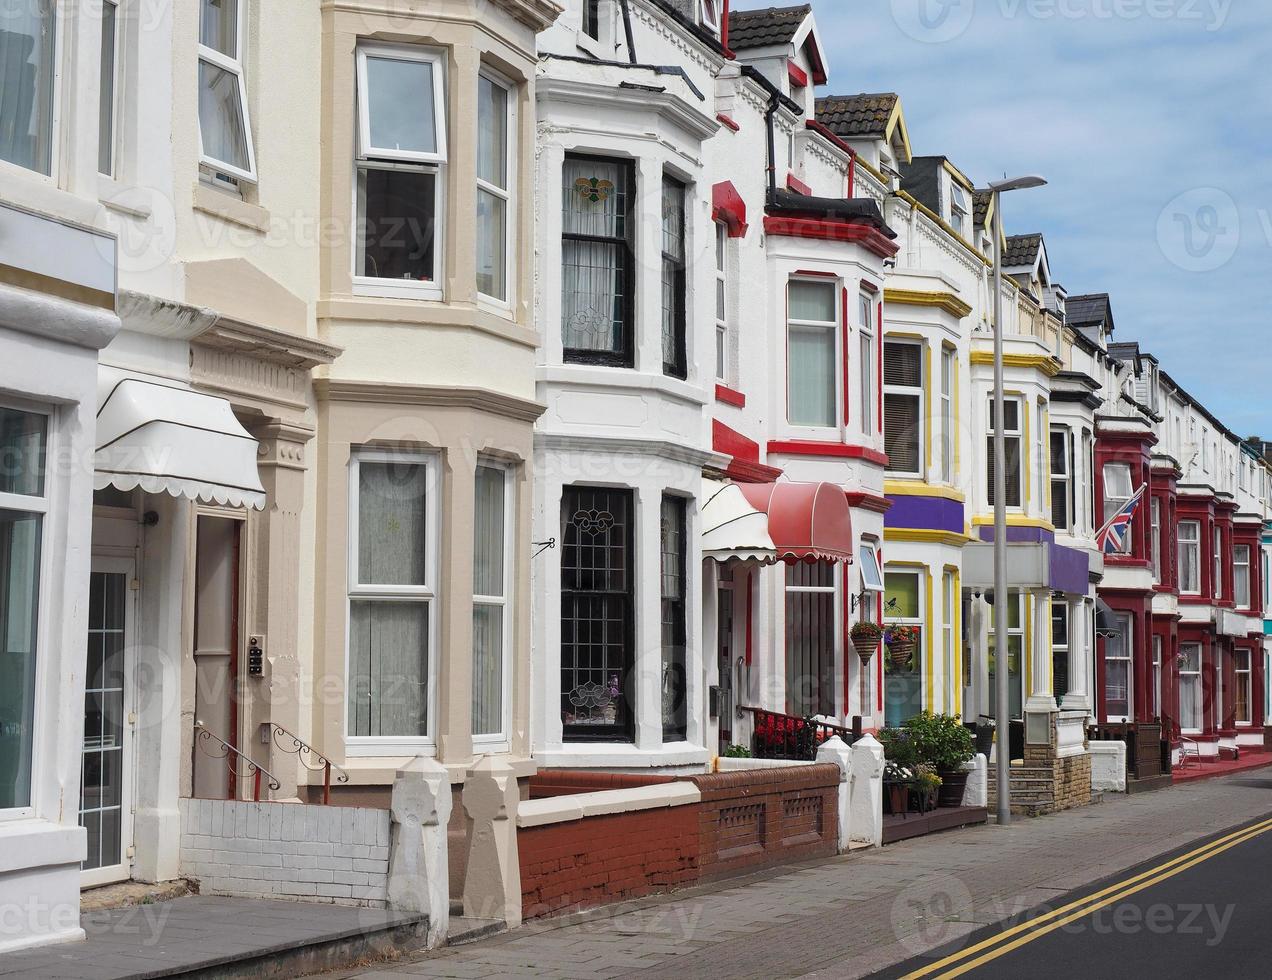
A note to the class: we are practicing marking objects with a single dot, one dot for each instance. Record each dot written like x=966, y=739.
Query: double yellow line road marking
x=965, y=960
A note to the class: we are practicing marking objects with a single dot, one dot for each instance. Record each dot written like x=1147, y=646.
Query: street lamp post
x=1002, y=697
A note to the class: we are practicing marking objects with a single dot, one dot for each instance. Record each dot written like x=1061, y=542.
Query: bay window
x=1013, y=454
x=866, y=367
x=401, y=156
x=673, y=278
x=28, y=50
x=1190, y=688
x=948, y=598
x=903, y=406
x=24, y=504
x=1060, y=648
x=1062, y=478
x=1190, y=557
x=721, y=301
x=392, y=587
x=597, y=614
x=1241, y=576
x=1117, y=670
x=492, y=563
x=1216, y=550
x=1156, y=693
x=597, y=261
x=812, y=328
x=1117, y=494
x=904, y=602
x=495, y=138
x=1155, y=543
x=672, y=536
x=225, y=131
x=948, y=435
x=1015, y=658
x=810, y=638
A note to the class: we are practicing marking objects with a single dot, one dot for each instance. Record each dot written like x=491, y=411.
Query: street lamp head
x=1017, y=183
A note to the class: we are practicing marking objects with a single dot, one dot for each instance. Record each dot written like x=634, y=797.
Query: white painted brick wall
x=290, y=851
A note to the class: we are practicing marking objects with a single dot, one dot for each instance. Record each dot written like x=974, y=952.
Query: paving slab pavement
x=851, y=916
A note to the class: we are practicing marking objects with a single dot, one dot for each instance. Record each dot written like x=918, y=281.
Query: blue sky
x=1152, y=119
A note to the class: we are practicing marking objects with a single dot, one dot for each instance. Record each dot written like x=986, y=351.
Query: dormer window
x=709, y=15
x=960, y=212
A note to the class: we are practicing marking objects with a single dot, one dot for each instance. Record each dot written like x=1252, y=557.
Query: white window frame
x=115, y=100
x=910, y=391
x=1194, y=543
x=1155, y=529
x=808, y=326
x=505, y=602
x=1064, y=477
x=388, y=160
x=1216, y=554
x=721, y=299
x=506, y=194
x=1120, y=501
x=866, y=308
x=235, y=67
x=948, y=600
x=1018, y=434
x=709, y=15
x=870, y=572
x=1243, y=677
x=836, y=633
x=55, y=114
x=960, y=212
x=1192, y=677
x=1156, y=692
x=1242, y=598
x=42, y=505
x=387, y=745
x=1127, y=638
x=948, y=368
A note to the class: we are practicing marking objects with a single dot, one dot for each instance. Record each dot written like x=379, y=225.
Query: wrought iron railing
x=309, y=757
x=778, y=736
x=204, y=741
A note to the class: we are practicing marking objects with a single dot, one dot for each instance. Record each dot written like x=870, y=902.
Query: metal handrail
x=254, y=769
x=270, y=730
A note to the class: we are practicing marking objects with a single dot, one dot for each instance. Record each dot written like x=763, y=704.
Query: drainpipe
x=627, y=30
x=769, y=117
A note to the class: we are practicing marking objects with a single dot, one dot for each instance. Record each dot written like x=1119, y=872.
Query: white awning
x=165, y=437
x=731, y=527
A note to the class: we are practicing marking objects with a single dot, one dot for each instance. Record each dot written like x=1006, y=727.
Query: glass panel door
x=105, y=775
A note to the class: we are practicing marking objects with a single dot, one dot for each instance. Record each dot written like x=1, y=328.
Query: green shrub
x=941, y=741
x=737, y=752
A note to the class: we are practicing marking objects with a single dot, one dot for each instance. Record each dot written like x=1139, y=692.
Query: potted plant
x=927, y=786
x=901, y=639
x=865, y=639
x=943, y=743
x=896, y=784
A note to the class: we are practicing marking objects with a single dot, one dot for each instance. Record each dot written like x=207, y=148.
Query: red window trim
x=728, y=122
x=730, y=396
x=793, y=183
x=816, y=229
x=829, y=450
x=798, y=77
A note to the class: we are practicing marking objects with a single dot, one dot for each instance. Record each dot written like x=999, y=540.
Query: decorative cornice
x=917, y=488
x=869, y=237
x=267, y=344
x=1045, y=363
x=660, y=448
x=914, y=297
x=694, y=121
x=433, y=396
x=914, y=535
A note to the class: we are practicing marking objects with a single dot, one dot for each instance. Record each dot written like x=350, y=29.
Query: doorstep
x=1211, y=767
x=1160, y=781
x=206, y=936
x=898, y=827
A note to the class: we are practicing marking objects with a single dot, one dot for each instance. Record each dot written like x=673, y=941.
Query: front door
x=106, y=777
x=724, y=633
x=216, y=617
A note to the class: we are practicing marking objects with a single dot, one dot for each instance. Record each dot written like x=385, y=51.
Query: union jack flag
x=1111, y=538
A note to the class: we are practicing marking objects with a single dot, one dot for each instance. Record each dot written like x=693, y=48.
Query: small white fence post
x=866, y=806
x=419, y=872
x=977, y=791
x=492, y=884
x=835, y=751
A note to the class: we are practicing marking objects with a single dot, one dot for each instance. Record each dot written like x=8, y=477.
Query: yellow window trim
x=917, y=488
x=949, y=302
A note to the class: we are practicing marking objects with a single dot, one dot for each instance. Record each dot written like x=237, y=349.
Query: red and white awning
x=807, y=521
x=732, y=528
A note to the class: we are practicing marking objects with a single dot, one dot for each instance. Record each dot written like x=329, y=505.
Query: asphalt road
x=1204, y=910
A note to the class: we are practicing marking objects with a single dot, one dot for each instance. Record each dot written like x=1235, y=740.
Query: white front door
x=106, y=775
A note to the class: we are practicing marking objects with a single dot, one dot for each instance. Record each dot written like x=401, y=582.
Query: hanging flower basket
x=865, y=639
x=901, y=640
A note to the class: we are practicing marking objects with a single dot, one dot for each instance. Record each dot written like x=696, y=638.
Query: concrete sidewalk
x=853, y=915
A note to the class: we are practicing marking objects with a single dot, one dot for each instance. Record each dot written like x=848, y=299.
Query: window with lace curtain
x=392, y=589
x=903, y=408
x=673, y=278
x=492, y=554
x=597, y=261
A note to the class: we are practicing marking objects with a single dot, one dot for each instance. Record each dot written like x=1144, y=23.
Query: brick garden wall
x=333, y=854
x=607, y=858
x=758, y=818
x=745, y=820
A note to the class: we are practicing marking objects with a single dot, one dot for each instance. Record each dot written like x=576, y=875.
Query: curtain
x=388, y=667
x=392, y=523
x=593, y=275
x=26, y=83
x=811, y=385
x=20, y=536
x=810, y=638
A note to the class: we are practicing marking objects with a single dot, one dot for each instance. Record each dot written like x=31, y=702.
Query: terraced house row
x=524, y=388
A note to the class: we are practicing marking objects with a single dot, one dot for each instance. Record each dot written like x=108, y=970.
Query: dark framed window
x=1012, y=440
x=673, y=278
x=903, y=407
x=597, y=621
x=592, y=19
x=1061, y=478
x=672, y=534
x=597, y=261
x=810, y=638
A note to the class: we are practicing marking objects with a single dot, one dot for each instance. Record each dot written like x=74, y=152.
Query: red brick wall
x=759, y=818
x=604, y=859
x=567, y=782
